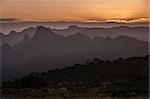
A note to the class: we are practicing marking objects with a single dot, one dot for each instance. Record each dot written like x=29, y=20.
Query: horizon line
x=125, y=21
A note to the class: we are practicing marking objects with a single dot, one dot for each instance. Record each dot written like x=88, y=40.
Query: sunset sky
x=76, y=10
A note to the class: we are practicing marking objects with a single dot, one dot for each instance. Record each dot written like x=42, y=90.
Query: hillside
x=127, y=76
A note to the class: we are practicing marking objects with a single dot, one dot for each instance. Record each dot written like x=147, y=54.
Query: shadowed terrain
x=47, y=50
x=120, y=78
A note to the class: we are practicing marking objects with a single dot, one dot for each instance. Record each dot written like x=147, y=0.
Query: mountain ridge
x=141, y=33
x=47, y=50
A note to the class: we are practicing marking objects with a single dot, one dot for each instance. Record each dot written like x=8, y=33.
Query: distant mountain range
x=141, y=33
x=6, y=27
x=39, y=49
x=15, y=37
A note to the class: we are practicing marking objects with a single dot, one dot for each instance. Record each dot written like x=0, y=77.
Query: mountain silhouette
x=73, y=29
x=48, y=50
x=15, y=37
x=46, y=33
x=12, y=33
x=141, y=33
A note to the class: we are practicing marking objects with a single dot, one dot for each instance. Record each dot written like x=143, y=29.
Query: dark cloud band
x=8, y=19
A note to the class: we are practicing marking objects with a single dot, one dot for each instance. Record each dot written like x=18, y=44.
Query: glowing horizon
x=124, y=11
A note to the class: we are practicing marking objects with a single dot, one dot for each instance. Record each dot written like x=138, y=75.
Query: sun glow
x=77, y=10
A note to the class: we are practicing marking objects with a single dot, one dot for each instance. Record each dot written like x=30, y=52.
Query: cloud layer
x=76, y=10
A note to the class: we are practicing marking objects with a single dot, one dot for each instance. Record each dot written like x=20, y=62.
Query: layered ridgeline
x=96, y=78
x=140, y=33
x=44, y=49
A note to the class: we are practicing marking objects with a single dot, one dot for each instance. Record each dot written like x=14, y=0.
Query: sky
x=75, y=10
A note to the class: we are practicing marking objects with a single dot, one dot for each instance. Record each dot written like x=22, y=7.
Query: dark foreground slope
x=118, y=78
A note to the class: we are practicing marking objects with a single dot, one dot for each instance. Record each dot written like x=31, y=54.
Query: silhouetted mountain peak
x=43, y=32
x=42, y=28
x=28, y=29
x=44, y=35
x=12, y=33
